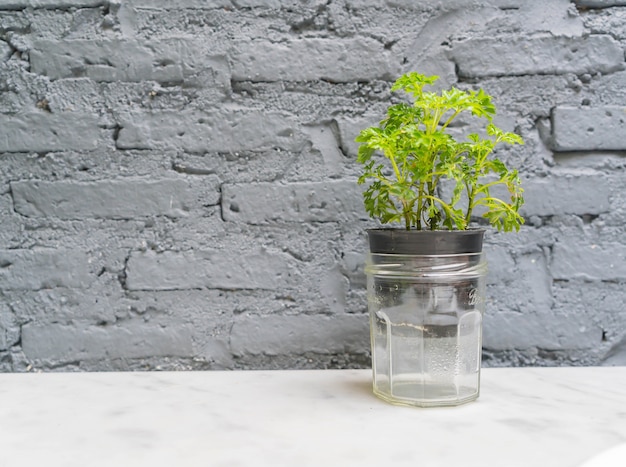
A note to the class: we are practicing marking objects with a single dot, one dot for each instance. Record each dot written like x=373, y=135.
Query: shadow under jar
x=426, y=302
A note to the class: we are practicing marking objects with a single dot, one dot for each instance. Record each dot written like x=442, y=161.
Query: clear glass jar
x=426, y=327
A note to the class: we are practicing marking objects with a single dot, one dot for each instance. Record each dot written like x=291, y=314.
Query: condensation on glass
x=426, y=327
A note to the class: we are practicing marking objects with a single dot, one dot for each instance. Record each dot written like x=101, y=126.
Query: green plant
x=419, y=153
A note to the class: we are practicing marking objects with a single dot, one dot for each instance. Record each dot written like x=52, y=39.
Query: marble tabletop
x=530, y=417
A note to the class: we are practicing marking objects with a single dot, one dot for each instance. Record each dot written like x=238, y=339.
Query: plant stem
x=445, y=125
x=395, y=168
x=420, y=195
x=505, y=204
x=470, y=203
x=431, y=192
x=407, y=215
x=482, y=188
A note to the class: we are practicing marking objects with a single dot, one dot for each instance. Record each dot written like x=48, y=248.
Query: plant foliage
x=419, y=153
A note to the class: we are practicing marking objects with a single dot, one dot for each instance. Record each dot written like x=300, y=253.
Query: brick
x=324, y=141
x=551, y=331
x=75, y=342
x=589, y=128
x=566, y=194
x=344, y=60
x=225, y=131
x=533, y=287
x=283, y=335
x=612, y=22
x=555, y=17
x=602, y=302
x=600, y=3
x=350, y=127
x=437, y=5
x=217, y=352
x=42, y=131
x=578, y=258
x=521, y=296
x=478, y=58
x=524, y=287
x=170, y=270
x=500, y=264
x=5, y=51
x=50, y=4
x=40, y=268
x=99, y=303
x=333, y=287
x=106, y=199
x=167, y=61
x=108, y=60
x=9, y=328
x=260, y=203
x=213, y=4
x=264, y=3
x=11, y=227
x=353, y=266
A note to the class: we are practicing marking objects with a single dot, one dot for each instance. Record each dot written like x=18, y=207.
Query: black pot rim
x=425, y=242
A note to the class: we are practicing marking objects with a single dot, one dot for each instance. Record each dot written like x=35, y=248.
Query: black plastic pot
x=425, y=242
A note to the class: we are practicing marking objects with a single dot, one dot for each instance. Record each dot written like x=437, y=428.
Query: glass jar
x=426, y=326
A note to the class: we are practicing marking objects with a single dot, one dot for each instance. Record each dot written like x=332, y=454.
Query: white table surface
x=530, y=417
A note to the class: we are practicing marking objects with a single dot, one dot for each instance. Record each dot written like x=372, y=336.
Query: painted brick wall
x=177, y=183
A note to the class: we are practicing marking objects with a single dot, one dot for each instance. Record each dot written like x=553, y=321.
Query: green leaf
x=413, y=83
x=364, y=154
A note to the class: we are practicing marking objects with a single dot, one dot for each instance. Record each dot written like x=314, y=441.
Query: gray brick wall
x=177, y=183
